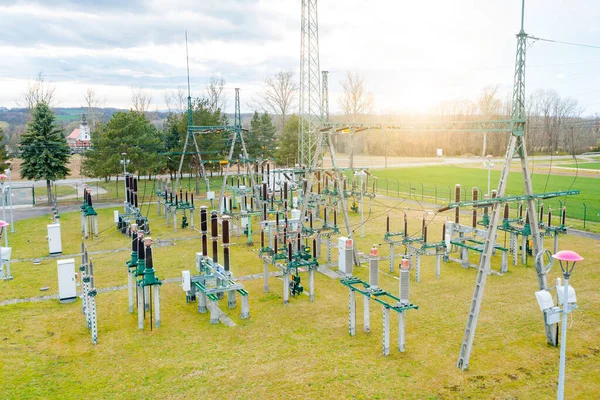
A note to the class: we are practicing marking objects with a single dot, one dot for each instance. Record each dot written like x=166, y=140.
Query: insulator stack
x=204, y=229
x=405, y=226
x=226, y=242
x=549, y=217
x=214, y=226
x=290, y=251
x=475, y=197
x=564, y=216
x=456, y=200
x=443, y=232
x=541, y=218
x=299, y=241
x=506, y=211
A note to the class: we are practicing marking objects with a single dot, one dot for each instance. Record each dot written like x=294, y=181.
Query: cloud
x=560, y=76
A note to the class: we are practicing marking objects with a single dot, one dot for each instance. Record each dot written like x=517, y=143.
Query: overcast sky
x=413, y=54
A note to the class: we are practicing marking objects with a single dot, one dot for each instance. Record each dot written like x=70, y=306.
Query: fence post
x=33, y=194
x=117, y=186
x=77, y=191
x=584, y=215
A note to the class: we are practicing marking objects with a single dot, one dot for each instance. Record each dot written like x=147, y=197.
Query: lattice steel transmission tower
x=310, y=83
x=325, y=97
x=516, y=149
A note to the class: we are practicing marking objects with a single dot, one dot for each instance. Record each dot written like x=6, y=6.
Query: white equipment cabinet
x=54, y=239
x=345, y=248
x=67, y=287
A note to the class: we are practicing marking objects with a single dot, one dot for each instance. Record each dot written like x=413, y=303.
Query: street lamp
x=568, y=297
x=124, y=162
x=489, y=165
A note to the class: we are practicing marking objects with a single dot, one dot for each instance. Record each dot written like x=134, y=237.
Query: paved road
x=22, y=213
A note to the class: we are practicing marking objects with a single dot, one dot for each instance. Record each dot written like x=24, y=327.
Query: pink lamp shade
x=3, y=177
x=567, y=255
x=3, y=224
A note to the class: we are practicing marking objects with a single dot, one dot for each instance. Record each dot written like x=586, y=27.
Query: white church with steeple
x=80, y=139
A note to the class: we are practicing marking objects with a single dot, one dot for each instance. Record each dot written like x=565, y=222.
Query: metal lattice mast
x=516, y=148
x=310, y=84
x=325, y=97
x=190, y=124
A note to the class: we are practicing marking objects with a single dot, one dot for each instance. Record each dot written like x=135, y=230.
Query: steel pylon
x=310, y=84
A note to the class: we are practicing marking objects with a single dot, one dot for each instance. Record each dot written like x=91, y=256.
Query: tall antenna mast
x=187, y=61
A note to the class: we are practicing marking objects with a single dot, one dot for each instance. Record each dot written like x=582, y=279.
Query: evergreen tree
x=44, y=149
x=267, y=136
x=3, y=144
x=287, y=145
x=126, y=132
x=253, y=137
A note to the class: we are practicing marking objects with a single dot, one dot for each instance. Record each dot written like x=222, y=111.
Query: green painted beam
x=507, y=199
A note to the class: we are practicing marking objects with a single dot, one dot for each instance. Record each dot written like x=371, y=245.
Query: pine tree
x=253, y=138
x=267, y=136
x=44, y=149
x=287, y=145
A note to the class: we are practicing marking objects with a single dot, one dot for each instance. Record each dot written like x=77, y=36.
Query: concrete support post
x=245, y=307
x=418, y=267
x=464, y=257
x=266, y=274
x=311, y=284
x=201, y=302
x=214, y=312
x=130, y=290
x=504, y=262
x=140, y=299
x=401, y=331
x=391, y=257
x=318, y=241
x=146, y=290
x=158, y=207
x=174, y=220
x=95, y=225
x=231, y=300
x=555, y=243
x=85, y=227
x=328, y=249
x=514, y=247
x=82, y=218
x=386, y=331
x=438, y=262
x=523, y=249
x=367, y=314
x=286, y=287
x=352, y=313
x=157, y=306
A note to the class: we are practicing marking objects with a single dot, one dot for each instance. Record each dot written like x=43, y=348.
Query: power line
x=561, y=42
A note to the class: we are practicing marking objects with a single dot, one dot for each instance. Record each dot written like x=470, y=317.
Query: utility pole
x=516, y=148
x=310, y=112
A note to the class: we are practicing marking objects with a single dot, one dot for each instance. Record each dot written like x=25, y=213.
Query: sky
x=412, y=55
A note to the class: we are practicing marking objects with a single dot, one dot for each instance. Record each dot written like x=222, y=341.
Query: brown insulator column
x=204, y=229
x=176, y=200
x=541, y=218
x=314, y=248
x=325, y=215
x=214, y=227
x=128, y=184
x=405, y=226
x=299, y=243
x=251, y=203
x=264, y=191
x=290, y=251
x=387, y=224
x=527, y=216
x=285, y=195
x=275, y=245
x=262, y=238
x=475, y=197
x=506, y=211
x=264, y=211
x=334, y=217
x=425, y=234
x=549, y=217
x=192, y=198
x=443, y=232
x=231, y=204
x=149, y=262
x=310, y=219
x=134, y=238
x=521, y=210
x=186, y=196
x=226, y=242
x=285, y=224
x=140, y=246
x=457, y=199
x=564, y=215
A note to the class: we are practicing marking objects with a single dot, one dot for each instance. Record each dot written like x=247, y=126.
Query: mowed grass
x=445, y=177
x=299, y=350
x=588, y=165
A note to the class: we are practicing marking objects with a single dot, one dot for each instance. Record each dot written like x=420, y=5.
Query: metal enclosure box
x=345, y=261
x=186, y=280
x=54, y=239
x=67, y=287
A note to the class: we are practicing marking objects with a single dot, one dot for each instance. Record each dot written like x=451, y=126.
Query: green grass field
x=299, y=350
x=440, y=181
x=588, y=165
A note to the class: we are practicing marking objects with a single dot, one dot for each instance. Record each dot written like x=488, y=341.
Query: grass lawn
x=299, y=350
x=588, y=165
x=443, y=179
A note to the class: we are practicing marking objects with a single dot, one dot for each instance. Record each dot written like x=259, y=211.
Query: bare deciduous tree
x=141, y=99
x=279, y=96
x=93, y=105
x=37, y=92
x=176, y=100
x=215, y=93
x=489, y=107
x=355, y=101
